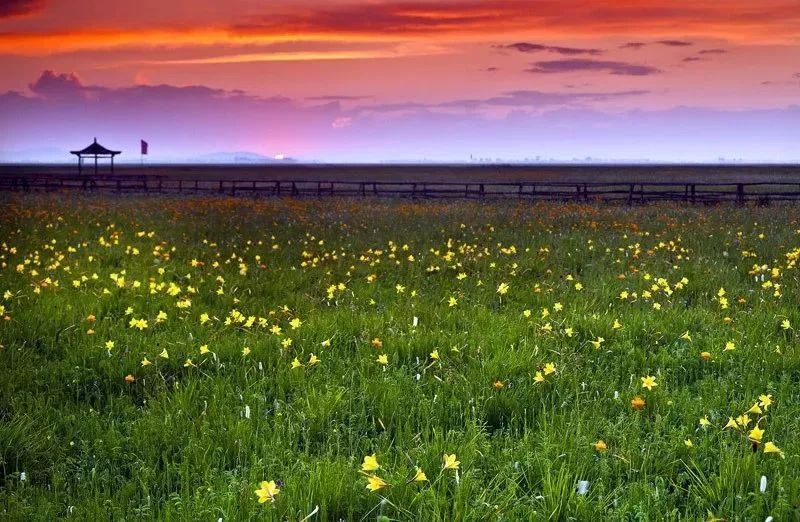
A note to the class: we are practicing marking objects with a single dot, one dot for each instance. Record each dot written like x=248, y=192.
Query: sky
x=396, y=80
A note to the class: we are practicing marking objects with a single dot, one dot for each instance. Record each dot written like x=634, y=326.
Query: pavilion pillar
x=80, y=165
x=112, y=163
x=95, y=164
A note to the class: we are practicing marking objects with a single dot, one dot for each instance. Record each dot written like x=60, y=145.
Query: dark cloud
x=526, y=47
x=633, y=45
x=491, y=69
x=616, y=68
x=9, y=8
x=693, y=59
x=796, y=75
x=674, y=43
x=712, y=51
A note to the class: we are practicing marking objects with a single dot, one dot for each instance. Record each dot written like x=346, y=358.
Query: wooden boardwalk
x=628, y=192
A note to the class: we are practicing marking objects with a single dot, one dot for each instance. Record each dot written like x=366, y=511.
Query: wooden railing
x=630, y=192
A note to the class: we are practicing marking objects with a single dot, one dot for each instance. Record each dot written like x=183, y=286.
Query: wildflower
x=383, y=359
x=637, y=403
x=785, y=324
x=188, y=363
x=374, y=483
x=686, y=336
x=704, y=422
x=688, y=443
x=597, y=342
x=109, y=345
x=245, y=351
x=313, y=359
x=435, y=355
x=770, y=447
x=452, y=301
x=538, y=377
x=295, y=323
x=498, y=385
x=204, y=318
x=502, y=289
x=146, y=362
x=730, y=346
x=600, y=446
x=204, y=349
x=648, y=382
x=370, y=463
x=731, y=424
x=164, y=354
x=326, y=343
x=765, y=401
x=90, y=318
x=130, y=379
x=755, y=409
x=296, y=363
x=450, y=461
x=377, y=343
x=267, y=492
x=549, y=368
x=755, y=434
x=617, y=325
x=578, y=287
x=706, y=356
x=419, y=476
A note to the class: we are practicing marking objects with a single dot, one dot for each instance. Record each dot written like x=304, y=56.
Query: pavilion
x=95, y=150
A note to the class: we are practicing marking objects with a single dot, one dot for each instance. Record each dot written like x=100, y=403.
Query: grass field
x=167, y=358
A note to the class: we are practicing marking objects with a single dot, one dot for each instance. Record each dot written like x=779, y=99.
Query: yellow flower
x=597, y=342
x=765, y=401
x=502, y=289
x=164, y=354
x=435, y=355
x=688, y=443
x=770, y=447
x=370, y=463
x=419, y=476
x=450, y=461
x=617, y=325
x=245, y=351
x=549, y=368
x=704, y=422
x=146, y=362
x=374, y=483
x=729, y=346
x=755, y=434
x=648, y=382
x=204, y=318
x=296, y=363
x=267, y=492
x=383, y=359
x=706, y=356
x=377, y=343
x=538, y=377
x=498, y=385
x=785, y=324
x=313, y=360
x=743, y=420
x=755, y=409
x=204, y=349
x=326, y=343
x=295, y=323
x=188, y=363
x=686, y=336
x=600, y=446
x=731, y=424
x=452, y=301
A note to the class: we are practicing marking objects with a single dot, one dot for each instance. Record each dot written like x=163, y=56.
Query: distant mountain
x=238, y=157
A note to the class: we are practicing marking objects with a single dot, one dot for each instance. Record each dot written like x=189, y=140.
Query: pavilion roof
x=95, y=149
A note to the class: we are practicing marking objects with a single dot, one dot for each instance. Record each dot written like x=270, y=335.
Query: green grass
x=193, y=442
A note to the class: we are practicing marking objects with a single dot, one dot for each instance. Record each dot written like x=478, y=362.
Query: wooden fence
x=630, y=192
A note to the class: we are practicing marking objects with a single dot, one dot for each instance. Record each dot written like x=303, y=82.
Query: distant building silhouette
x=95, y=150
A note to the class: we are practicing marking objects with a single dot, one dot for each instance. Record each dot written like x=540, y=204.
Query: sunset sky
x=440, y=80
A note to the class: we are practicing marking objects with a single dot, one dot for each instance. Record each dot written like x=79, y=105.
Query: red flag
x=144, y=146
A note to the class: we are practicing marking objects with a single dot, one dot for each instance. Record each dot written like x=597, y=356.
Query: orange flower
x=91, y=318
x=130, y=379
x=637, y=403
x=706, y=356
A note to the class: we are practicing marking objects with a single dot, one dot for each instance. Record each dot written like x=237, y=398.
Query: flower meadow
x=207, y=359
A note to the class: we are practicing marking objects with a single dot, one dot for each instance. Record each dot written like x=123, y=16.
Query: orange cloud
x=768, y=21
